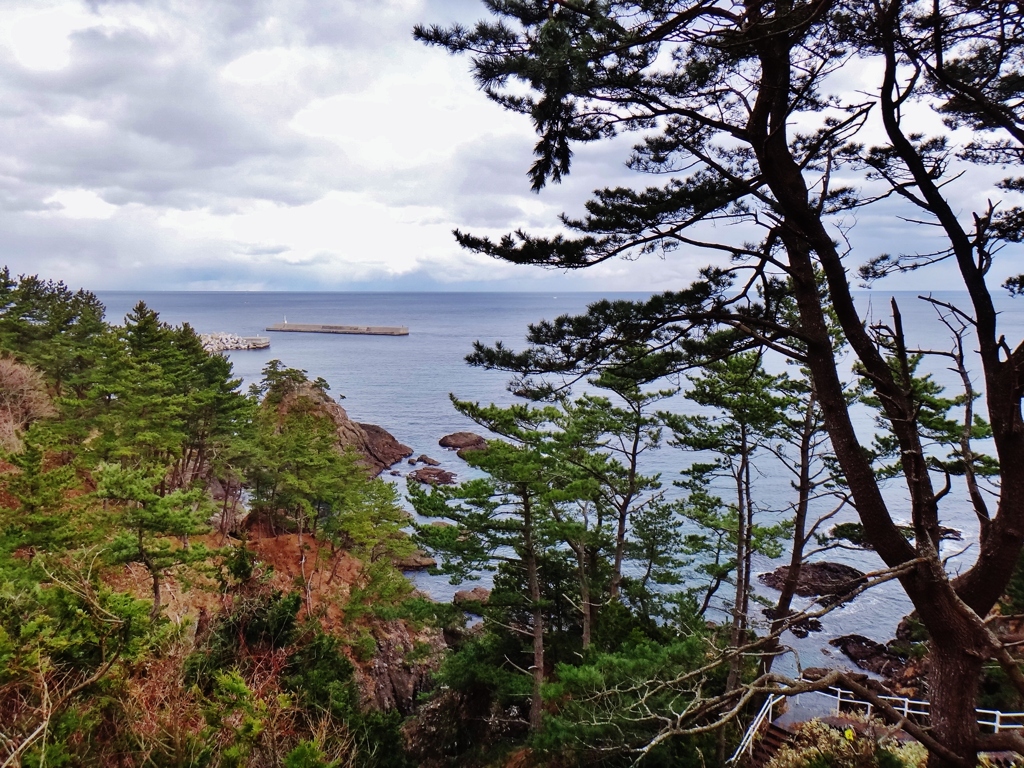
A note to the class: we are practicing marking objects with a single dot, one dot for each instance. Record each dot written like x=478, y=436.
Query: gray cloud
x=144, y=117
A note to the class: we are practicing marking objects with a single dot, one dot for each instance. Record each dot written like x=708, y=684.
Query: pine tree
x=155, y=526
x=743, y=123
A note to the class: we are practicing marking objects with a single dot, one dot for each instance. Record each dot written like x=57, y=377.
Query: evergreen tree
x=744, y=124
x=504, y=518
x=150, y=521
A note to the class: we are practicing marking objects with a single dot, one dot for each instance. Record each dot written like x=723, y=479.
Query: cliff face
x=378, y=448
x=402, y=666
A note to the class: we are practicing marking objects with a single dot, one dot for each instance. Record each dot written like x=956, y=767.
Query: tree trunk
x=155, y=575
x=796, y=555
x=623, y=511
x=581, y=555
x=533, y=580
x=953, y=694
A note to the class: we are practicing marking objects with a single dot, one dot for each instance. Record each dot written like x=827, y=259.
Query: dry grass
x=23, y=400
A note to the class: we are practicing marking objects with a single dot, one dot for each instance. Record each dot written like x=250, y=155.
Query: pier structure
x=230, y=342
x=367, y=330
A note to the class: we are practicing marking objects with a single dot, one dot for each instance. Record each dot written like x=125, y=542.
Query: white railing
x=845, y=701
x=765, y=715
x=915, y=709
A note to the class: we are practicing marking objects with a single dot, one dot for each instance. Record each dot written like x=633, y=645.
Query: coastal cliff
x=378, y=449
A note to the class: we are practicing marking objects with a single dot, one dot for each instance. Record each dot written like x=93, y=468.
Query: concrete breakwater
x=224, y=342
x=369, y=330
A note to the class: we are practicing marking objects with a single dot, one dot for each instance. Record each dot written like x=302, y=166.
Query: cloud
x=300, y=144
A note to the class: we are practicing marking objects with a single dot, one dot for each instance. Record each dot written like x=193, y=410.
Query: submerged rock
x=869, y=655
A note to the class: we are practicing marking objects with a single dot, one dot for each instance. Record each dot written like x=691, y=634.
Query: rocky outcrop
x=869, y=655
x=800, y=627
x=377, y=448
x=821, y=578
x=453, y=724
x=402, y=666
x=433, y=476
x=383, y=449
x=475, y=596
x=416, y=561
x=460, y=442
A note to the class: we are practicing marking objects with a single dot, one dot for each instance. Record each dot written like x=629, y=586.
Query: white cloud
x=80, y=204
x=38, y=35
x=282, y=144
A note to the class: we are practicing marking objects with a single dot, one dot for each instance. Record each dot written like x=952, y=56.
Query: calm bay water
x=403, y=384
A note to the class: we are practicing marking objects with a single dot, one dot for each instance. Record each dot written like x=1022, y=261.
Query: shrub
x=820, y=745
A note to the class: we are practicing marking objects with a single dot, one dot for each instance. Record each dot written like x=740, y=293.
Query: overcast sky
x=276, y=145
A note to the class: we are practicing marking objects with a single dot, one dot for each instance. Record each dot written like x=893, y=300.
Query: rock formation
x=869, y=655
x=224, y=342
x=433, y=476
x=376, y=446
x=476, y=595
x=402, y=666
x=820, y=578
x=424, y=459
x=460, y=442
x=415, y=561
x=383, y=449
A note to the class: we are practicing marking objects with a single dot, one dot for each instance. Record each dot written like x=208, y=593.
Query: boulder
x=822, y=578
x=424, y=459
x=433, y=476
x=869, y=655
x=475, y=595
x=801, y=628
x=417, y=561
x=460, y=442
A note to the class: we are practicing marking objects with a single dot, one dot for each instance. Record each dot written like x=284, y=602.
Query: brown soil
x=187, y=592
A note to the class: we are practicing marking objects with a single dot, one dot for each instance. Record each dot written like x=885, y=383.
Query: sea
x=404, y=384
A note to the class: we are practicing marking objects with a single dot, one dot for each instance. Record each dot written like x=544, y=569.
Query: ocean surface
x=403, y=384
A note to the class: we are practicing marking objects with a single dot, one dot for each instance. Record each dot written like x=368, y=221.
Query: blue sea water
x=403, y=384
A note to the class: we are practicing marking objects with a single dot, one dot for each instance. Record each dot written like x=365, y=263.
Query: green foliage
x=321, y=677
x=307, y=754
x=601, y=702
x=257, y=623
x=146, y=421
x=49, y=326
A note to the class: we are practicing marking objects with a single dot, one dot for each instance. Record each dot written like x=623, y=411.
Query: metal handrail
x=988, y=718
x=755, y=726
x=910, y=708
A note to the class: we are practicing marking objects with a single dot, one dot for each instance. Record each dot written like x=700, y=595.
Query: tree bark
x=953, y=693
x=533, y=580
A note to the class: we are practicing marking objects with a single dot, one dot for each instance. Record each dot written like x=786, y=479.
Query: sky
x=281, y=145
